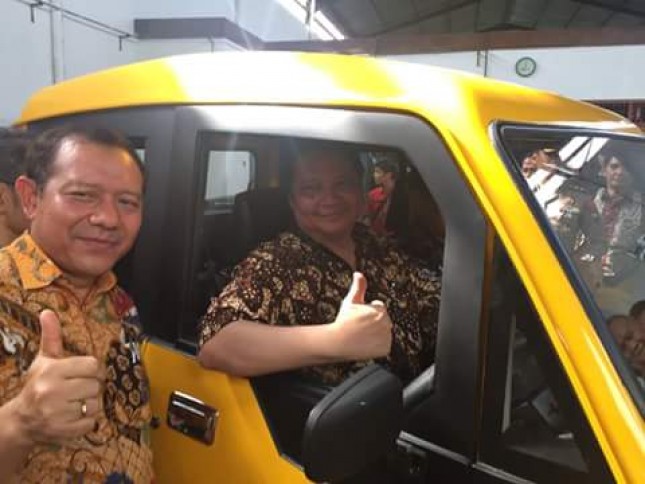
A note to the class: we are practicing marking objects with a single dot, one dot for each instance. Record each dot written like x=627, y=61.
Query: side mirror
x=353, y=425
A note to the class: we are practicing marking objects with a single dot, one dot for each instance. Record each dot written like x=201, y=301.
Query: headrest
x=259, y=215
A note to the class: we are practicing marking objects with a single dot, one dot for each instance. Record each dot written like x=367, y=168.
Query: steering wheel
x=419, y=389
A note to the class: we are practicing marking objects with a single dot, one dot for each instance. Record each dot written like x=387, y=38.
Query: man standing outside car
x=73, y=391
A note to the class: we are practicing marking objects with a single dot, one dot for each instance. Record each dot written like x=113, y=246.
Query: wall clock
x=525, y=66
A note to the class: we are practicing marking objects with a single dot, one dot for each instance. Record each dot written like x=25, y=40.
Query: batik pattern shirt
x=105, y=325
x=293, y=280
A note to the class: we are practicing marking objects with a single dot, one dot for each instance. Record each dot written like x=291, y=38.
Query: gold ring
x=83, y=409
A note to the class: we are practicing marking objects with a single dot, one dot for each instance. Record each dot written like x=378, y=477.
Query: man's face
x=631, y=340
x=88, y=214
x=326, y=195
x=529, y=165
x=615, y=174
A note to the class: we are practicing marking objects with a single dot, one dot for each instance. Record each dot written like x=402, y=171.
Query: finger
x=81, y=389
x=80, y=367
x=356, y=293
x=51, y=338
x=92, y=408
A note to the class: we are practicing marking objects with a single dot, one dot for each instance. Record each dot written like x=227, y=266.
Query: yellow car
x=531, y=202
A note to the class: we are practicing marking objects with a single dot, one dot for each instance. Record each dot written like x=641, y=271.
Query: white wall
x=185, y=8
x=54, y=48
x=579, y=72
x=25, y=61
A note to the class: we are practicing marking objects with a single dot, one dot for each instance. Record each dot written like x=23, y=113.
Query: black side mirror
x=354, y=425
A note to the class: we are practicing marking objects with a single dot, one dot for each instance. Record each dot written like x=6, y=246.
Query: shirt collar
x=36, y=270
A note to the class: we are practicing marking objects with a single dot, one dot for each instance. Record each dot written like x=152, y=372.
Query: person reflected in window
x=326, y=296
x=630, y=338
x=385, y=175
x=13, y=147
x=637, y=312
x=543, y=158
x=605, y=230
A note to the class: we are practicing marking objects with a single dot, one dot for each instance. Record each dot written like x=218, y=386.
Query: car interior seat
x=258, y=215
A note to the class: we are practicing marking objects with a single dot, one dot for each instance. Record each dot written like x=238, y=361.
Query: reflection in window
x=591, y=189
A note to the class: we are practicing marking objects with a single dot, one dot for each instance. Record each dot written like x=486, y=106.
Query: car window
x=228, y=173
x=590, y=189
x=533, y=426
x=244, y=202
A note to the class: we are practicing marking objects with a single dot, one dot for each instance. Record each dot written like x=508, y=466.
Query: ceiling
x=369, y=18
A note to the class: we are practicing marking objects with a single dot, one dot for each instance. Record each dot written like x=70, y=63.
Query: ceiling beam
x=441, y=43
x=422, y=18
x=614, y=7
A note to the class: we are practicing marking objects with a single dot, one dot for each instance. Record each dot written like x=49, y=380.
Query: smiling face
x=631, y=339
x=88, y=213
x=326, y=196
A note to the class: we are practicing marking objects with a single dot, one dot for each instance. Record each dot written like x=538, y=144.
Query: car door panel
x=242, y=451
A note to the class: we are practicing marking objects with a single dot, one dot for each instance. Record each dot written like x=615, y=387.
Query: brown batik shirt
x=104, y=325
x=293, y=280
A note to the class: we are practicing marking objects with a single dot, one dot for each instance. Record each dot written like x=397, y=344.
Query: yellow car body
x=460, y=109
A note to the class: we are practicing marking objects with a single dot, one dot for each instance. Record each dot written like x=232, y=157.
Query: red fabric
x=377, y=205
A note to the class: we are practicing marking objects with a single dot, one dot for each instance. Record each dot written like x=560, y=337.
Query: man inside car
x=325, y=296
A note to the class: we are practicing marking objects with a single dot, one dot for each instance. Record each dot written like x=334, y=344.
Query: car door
x=247, y=144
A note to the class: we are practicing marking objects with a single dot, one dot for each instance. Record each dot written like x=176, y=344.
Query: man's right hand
x=62, y=395
x=362, y=330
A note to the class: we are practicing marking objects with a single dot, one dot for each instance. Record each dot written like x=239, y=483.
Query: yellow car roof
x=295, y=78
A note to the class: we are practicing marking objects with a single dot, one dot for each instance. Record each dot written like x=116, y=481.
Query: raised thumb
x=356, y=293
x=51, y=338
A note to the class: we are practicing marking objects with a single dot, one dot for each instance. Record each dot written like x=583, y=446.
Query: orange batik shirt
x=104, y=325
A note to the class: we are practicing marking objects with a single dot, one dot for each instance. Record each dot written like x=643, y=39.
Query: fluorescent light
x=321, y=26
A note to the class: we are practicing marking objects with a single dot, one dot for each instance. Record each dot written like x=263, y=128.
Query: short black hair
x=388, y=166
x=637, y=309
x=45, y=147
x=13, y=149
x=302, y=148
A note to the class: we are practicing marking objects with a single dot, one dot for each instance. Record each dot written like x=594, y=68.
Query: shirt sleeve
x=254, y=294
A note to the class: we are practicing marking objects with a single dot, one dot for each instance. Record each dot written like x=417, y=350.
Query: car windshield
x=591, y=188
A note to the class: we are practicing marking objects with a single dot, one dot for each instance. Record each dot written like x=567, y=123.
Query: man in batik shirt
x=327, y=296
x=73, y=391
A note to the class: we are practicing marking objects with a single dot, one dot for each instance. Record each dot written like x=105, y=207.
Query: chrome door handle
x=192, y=417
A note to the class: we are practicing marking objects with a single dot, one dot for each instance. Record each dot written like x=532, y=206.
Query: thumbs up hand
x=61, y=396
x=362, y=331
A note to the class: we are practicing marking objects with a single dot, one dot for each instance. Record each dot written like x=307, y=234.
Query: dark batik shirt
x=293, y=280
